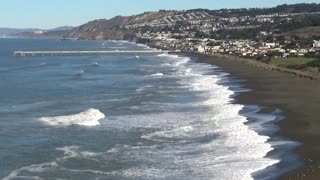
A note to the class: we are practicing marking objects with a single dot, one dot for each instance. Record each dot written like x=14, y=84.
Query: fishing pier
x=74, y=53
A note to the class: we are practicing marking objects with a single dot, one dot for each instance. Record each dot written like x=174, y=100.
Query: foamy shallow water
x=131, y=117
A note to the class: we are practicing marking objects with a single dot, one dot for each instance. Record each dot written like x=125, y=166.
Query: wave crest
x=157, y=74
x=89, y=117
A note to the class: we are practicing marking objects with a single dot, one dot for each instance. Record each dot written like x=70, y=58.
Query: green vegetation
x=296, y=63
x=312, y=31
x=285, y=8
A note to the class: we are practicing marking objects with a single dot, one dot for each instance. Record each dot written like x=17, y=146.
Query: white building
x=316, y=44
x=201, y=49
x=39, y=32
x=270, y=45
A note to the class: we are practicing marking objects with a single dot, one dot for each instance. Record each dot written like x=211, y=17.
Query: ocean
x=130, y=116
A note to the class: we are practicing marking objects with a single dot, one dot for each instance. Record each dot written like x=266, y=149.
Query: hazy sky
x=54, y=13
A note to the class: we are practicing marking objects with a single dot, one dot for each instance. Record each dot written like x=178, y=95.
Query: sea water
x=125, y=116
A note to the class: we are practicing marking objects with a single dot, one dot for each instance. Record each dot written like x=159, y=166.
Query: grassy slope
x=296, y=63
x=305, y=32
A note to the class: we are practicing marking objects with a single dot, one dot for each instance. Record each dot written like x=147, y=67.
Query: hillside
x=55, y=34
x=62, y=28
x=282, y=9
x=313, y=31
x=203, y=23
x=113, y=28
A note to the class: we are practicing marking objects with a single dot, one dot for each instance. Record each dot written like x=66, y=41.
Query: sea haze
x=137, y=116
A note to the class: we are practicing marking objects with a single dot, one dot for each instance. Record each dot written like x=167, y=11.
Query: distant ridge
x=62, y=28
x=20, y=32
x=10, y=31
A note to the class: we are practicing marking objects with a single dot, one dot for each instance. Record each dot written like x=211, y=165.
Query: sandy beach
x=298, y=99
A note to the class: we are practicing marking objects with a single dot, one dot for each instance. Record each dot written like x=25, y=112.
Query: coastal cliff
x=115, y=28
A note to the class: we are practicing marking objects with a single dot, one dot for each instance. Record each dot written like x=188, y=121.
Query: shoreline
x=297, y=99
x=258, y=64
x=295, y=93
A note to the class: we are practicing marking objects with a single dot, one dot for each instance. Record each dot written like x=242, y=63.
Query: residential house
x=201, y=49
x=316, y=44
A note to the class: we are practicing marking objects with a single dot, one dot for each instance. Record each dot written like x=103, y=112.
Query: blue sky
x=54, y=13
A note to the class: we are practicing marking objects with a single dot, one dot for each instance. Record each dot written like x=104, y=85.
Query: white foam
x=175, y=60
x=80, y=73
x=166, y=64
x=94, y=64
x=157, y=74
x=89, y=117
x=117, y=47
x=238, y=150
x=141, y=45
x=35, y=168
x=168, y=55
x=144, y=88
x=69, y=152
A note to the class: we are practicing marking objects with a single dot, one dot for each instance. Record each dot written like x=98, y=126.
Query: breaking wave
x=157, y=74
x=89, y=117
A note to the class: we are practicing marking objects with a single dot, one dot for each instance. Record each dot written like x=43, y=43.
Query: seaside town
x=285, y=39
x=201, y=33
x=244, y=48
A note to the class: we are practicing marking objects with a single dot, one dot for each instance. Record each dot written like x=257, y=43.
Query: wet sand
x=298, y=99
